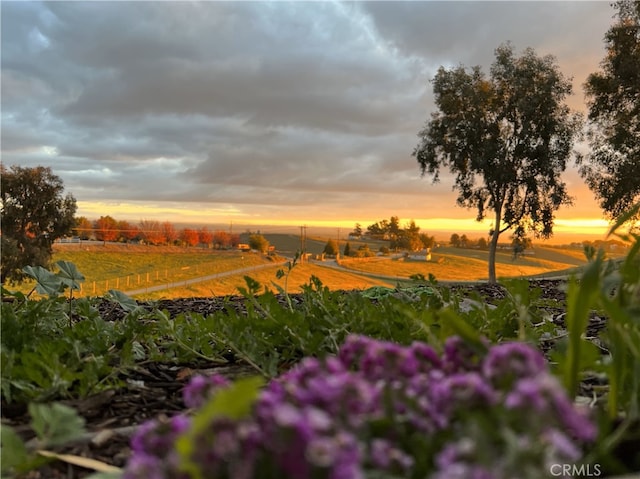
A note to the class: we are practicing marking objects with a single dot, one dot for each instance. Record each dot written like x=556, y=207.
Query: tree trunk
x=493, y=246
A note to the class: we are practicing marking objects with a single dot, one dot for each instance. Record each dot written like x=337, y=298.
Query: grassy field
x=123, y=267
x=117, y=266
x=468, y=264
x=300, y=275
x=288, y=244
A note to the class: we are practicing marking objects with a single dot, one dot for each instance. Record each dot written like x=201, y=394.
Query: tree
x=482, y=243
x=464, y=241
x=506, y=139
x=189, y=237
x=612, y=166
x=520, y=242
x=106, y=229
x=357, y=231
x=151, y=232
x=455, y=240
x=83, y=228
x=378, y=230
x=127, y=231
x=34, y=214
x=364, y=251
x=169, y=232
x=221, y=239
x=428, y=242
x=394, y=227
x=259, y=243
x=331, y=248
x=234, y=240
x=347, y=250
x=409, y=238
x=205, y=236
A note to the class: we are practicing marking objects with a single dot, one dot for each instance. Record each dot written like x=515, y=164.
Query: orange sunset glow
x=307, y=113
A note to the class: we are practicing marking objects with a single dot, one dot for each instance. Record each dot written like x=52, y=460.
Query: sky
x=272, y=113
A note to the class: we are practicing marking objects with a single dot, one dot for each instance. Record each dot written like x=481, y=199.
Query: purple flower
x=458, y=356
x=545, y=396
x=384, y=456
x=336, y=417
x=427, y=357
x=201, y=388
x=469, y=387
x=156, y=438
x=510, y=361
x=562, y=445
x=144, y=466
x=153, y=444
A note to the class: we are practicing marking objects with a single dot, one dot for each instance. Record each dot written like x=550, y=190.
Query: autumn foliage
x=152, y=232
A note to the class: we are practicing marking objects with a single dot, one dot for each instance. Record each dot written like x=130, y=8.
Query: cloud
x=270, y=109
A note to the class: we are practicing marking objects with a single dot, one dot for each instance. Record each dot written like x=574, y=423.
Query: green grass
x=300, y=275
x=126, y=268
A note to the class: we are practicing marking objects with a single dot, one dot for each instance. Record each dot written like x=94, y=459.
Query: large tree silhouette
x=612, y=166
x=506, y=139
x=34, y=214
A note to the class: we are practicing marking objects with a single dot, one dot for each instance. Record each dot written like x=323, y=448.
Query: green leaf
x=55, y=423
x=580, y=298
x=126, y=302
x=138, y=351
x=69, y=274
x=623, y=218
x=13, y=452
x=46, y=282
x=450, y=320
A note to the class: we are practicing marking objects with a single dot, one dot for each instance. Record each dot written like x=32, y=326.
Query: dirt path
x=199, y=279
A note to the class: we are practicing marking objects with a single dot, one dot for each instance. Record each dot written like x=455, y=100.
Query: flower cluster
x=378, y=406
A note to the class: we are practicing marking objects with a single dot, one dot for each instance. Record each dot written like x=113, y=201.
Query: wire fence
x=166, y=278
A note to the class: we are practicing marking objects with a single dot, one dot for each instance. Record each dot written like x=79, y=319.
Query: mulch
x=154, y=390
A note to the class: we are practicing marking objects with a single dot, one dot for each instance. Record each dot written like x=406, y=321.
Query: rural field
x=153, y=272
x=130, y=267
x=458, y=264
x=299, y=276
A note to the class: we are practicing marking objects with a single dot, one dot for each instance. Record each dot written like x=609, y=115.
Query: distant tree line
x=408, y=237
x=462, y=241
x=519, y=242
x=151, y=232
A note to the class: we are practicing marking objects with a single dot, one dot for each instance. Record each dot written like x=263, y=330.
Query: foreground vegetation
x=59, y=348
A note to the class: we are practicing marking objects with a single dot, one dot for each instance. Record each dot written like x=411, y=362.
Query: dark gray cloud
x=302, y=109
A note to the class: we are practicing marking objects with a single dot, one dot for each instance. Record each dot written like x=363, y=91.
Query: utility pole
x=304, y=245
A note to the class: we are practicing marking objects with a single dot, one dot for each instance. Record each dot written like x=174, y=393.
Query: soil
x=154, y=390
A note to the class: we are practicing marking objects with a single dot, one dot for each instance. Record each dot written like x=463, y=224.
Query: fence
x=164, y=278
